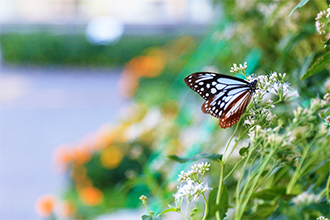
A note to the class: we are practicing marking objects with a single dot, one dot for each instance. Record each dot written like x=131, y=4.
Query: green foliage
x=222, y=206
x=215, y=157
x=301, y=4
x=317, y=66
x=43, y=48
x=147, y=217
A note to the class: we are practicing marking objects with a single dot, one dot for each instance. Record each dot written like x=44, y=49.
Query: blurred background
x=61, y=62
x=92, y=98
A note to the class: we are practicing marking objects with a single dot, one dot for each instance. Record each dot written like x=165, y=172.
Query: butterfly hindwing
x=226, y=96
x=235, y=110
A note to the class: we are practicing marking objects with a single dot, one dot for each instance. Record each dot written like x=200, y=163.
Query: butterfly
x=226, y=96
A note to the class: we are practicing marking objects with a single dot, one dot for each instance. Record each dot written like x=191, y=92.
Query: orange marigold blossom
x=91, y=196
x=111, y=157
x=81, y=154
x=45, y=205
x=146, y=66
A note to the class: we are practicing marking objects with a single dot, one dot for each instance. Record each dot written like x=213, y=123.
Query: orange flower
x=81, y=155
x=91, y=196
x=150, y=66
x=111, y=157
x=147, y=66
x=45, y=205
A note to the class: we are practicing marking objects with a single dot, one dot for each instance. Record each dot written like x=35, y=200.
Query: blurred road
x=41, y=108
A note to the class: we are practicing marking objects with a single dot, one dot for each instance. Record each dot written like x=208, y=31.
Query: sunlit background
x=61, y=62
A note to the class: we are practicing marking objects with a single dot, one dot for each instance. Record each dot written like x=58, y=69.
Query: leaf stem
x=206, y=208
x=234, y=168
x=231, y=138
x=187, y=208
x=217, y=214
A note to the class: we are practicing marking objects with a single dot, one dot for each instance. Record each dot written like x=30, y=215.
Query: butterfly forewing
x=226, y=96
x=208, y=84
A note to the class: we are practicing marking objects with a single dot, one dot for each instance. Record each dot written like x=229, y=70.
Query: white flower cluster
x=191, y=190
x=257, y=115
x=306, y=199
x=268, y=85
x=273, y=84
x=322, y=20
x=287, y=91
x=193, y=186
x=322, y=218
x=270, y=135
x=196, y=169
x=236, y=69
x=315, y=106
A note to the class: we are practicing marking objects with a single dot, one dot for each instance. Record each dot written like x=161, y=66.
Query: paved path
x=41, y=108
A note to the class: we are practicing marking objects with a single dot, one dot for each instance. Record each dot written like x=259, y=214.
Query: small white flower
x=196, y=169
x=322, y=218
x=322, y=20
x=285, y=89
x=306, y=199
x=183, y=177
x=236, y=69
x=252, y=134
x=317, y=103
x=191, y=190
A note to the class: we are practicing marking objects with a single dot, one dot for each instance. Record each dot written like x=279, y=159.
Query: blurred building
x=127, y=11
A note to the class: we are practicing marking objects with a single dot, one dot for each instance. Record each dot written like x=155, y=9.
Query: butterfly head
x=253, y=85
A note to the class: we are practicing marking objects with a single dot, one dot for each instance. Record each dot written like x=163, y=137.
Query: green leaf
x=317, y=66
x=148, y=217
x=223, y=205
x=243, y=150
x=323, y=208
x=262, y=211
x=327, y=43
x=270, y=194
x=306, y=64
x=301, y=3
x=168, y=210
x=215, y=157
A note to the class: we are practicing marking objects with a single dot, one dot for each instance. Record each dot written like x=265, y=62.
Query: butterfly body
x=226, y=97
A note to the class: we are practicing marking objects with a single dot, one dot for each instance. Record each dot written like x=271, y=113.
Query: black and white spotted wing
x=226, y=96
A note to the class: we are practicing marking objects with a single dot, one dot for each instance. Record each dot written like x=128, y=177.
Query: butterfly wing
x=208, y=84
x=235, y=109
x=226, y=96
